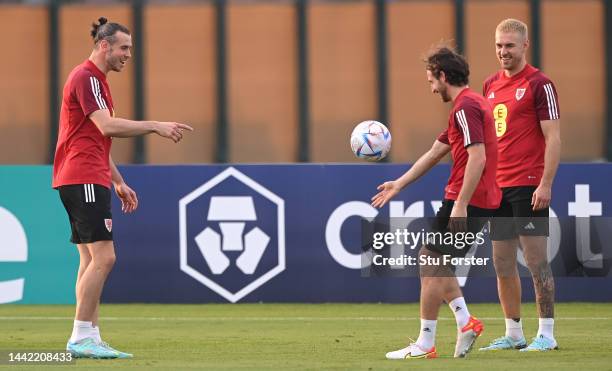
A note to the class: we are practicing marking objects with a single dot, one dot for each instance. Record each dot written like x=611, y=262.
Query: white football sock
x=95, y=333
x=459, y=308
x=80, y=330
x=427, y=336
x=514, y=329
x=546, y=327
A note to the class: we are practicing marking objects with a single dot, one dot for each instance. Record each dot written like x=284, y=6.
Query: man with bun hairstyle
x=83, y=172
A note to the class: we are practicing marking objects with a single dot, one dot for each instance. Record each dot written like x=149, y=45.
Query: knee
x=106, y=262
x=535, y=261
x=504, y=265
x=537, y=265
x=425, y=270
x=110, y=261
x=84, y=264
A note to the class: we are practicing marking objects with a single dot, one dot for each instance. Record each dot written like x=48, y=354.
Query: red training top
x=470, y=122
x=519, y=104
x=82, y=152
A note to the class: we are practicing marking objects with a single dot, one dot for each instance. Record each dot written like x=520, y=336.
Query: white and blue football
x=371, y=140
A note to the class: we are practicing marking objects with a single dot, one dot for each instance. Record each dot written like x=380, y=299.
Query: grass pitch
x=302, y=336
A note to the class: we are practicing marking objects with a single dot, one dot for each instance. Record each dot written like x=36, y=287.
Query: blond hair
x=513, y=25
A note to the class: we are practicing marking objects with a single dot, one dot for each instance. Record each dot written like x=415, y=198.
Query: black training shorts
x=515, y=215
x=89, y=210
x=476, y=219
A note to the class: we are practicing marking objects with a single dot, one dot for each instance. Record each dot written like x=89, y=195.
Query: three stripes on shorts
x=90, y=195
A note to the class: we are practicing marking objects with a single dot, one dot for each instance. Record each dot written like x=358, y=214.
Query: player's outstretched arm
x=388, y=190
x=123, y=128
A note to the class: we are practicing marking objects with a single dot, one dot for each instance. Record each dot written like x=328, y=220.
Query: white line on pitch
x=212, y=319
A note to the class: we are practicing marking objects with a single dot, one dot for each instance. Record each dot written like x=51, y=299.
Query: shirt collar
x=461, y=93
x=95, y=70
x=519, y=75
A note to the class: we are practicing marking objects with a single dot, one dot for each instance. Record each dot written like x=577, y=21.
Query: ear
x=104, y=45
x=442, y=77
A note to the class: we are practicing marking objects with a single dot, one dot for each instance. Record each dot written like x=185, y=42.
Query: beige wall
x=24, y=107
x=180, y=74
x=342, y=75
x=180, y=79
x=262, y=87
x=573, y=57
x=416, y=115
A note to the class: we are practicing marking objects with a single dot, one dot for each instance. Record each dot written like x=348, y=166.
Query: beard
x=114, y=62
x=444, y=95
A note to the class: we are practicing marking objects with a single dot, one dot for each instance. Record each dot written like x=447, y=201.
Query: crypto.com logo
x=583, y=208
x=226, y=234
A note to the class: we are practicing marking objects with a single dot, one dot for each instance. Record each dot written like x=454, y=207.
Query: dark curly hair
x=454, y=65
x=106, y=31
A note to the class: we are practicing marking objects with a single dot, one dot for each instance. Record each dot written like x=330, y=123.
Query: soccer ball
x=371, y=140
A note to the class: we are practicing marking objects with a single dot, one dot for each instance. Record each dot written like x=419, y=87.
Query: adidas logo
x=457, y=309
x=492, y=95
x=529, y=226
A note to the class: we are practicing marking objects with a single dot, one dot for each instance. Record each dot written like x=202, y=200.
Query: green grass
x=303, y=336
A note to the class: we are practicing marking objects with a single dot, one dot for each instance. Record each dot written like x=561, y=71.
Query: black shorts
x=476, y=220
x=515, y=215
x=89, y=210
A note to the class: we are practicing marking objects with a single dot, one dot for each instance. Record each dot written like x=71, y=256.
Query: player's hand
x=172, y=130
x=129, y=201
x=388, y=190
x=458, y=218
x=541, y=197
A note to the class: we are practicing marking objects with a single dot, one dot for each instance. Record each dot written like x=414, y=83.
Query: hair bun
x=95, y=27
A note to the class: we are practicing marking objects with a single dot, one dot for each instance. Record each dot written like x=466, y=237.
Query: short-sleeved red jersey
x=82, y=152
x=470, y=122
x=519, y=103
